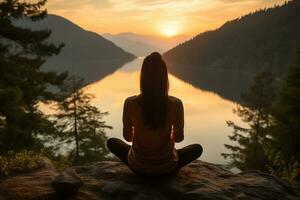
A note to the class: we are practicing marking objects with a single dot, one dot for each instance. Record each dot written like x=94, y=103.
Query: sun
x=169, y=30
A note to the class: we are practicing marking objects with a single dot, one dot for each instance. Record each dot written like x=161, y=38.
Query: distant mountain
x=266, y=39
x=85, y=54
x=142, y=45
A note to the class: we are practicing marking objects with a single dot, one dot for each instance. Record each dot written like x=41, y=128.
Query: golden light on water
x=205, y=112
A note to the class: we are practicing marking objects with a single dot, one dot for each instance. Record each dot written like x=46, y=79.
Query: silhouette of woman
x=153, y=121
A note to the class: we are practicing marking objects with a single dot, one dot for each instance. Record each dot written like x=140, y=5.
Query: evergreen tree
x=92, y=136
x=286, y=134
x=81, y=123
x=255, y=111
x=22, y=83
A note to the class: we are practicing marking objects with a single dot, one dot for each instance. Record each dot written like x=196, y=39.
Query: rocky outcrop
x=32, y=185
x=113, y=180
x=67, y=183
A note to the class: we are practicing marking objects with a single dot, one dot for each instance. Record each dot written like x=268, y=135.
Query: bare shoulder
x=131, y=99
x=175, y=100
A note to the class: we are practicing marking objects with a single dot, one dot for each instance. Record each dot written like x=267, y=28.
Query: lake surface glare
x=205, y=112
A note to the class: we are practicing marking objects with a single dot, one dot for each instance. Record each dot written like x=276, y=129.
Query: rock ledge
x=113, y=180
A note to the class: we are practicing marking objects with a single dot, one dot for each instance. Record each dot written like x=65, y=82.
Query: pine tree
x=22, y=83
x=286, y=134
x=255, y=111
x=92, y=136
x=81, y=123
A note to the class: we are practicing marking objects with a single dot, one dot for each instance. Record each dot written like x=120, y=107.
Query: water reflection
x=229, y=84
x=205, y=112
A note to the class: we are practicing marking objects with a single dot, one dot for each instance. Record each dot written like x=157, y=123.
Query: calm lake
x=205, y=112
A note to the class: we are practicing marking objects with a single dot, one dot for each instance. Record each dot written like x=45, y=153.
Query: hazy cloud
x=151, y=16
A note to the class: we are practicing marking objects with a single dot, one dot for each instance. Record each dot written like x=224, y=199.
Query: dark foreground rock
x=67, y=183
x=113, y=180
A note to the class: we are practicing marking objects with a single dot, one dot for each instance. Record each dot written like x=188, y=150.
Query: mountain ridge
x=226, y=59
x=86, y=53
x=257, y=41
x=143, y=45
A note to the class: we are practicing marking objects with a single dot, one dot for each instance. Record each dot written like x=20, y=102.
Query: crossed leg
x=186, y=154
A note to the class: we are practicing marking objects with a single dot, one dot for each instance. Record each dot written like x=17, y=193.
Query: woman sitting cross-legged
x=153, y=121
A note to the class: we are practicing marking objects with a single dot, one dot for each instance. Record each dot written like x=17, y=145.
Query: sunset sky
x=154, y=17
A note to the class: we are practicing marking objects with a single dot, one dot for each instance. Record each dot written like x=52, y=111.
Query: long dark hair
x=154, y=85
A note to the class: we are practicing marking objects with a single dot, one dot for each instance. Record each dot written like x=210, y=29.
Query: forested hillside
x=265, y=39
x=85, y=54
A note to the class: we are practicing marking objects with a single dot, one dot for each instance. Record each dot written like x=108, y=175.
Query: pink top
x=152, y=151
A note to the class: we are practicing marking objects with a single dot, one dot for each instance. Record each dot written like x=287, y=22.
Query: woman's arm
x=178, y=124
x=127, y=124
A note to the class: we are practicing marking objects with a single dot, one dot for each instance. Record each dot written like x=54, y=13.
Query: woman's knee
x=115, y=145
x=198, y=149
x=110, y=143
